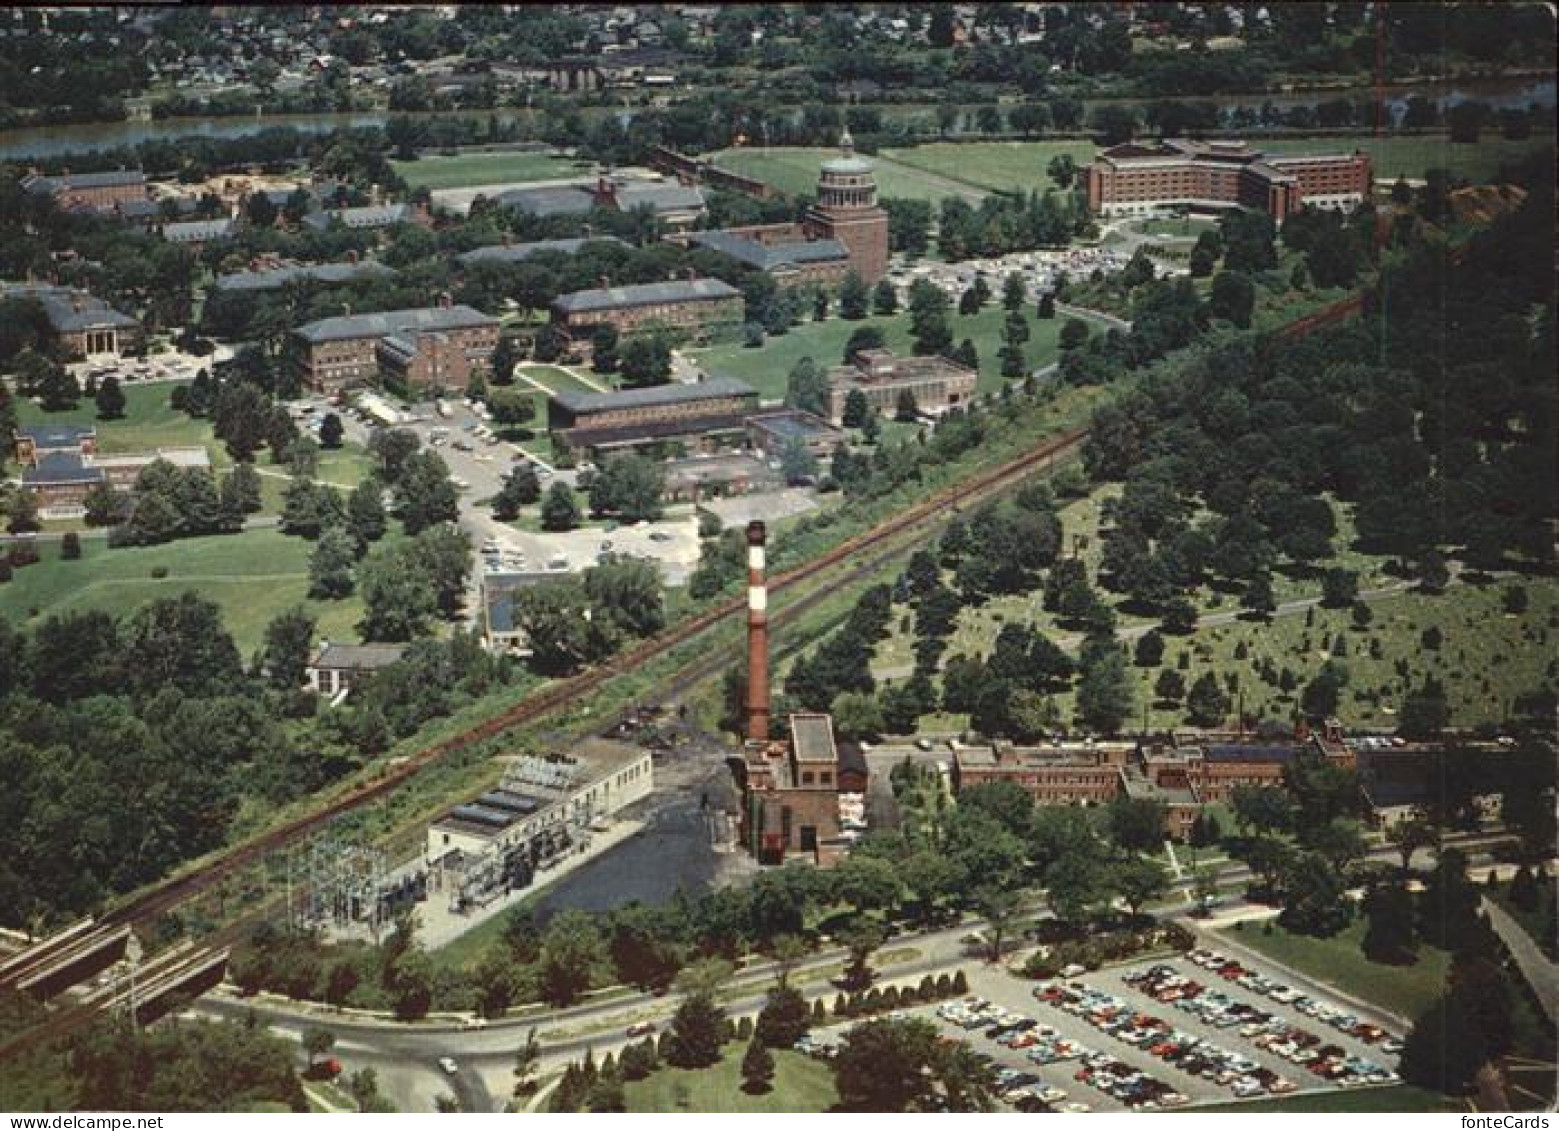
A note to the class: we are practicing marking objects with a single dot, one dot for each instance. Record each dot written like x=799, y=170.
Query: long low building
x=706, y=414
x=510, y=252
x=783, y=252
x=935, y=383
x=688, y=307
x=324, y=274
x=433, y=345
x=1138, y=177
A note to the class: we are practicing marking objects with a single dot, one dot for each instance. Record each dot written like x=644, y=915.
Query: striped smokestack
x=757, y=636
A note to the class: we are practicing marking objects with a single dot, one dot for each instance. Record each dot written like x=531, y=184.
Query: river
x=50, y=141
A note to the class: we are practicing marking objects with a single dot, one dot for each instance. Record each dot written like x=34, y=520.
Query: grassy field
x=795, y=170
x=149, y=422
x=485, y=169
x=800, y=1084
x=767, y=367
x=252, y=576
x=1339, y=961
x=1005, y=166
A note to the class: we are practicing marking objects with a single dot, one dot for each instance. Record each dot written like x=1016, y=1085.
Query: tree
x=397, y=602
x=110, y=399
x=1139, y=881
x=887, y=1065
x=560, y=510
x=104, y=505
x=905, y=408
x=503, y=361
x=1104, y=698
x=757, y=1068
x=424, y=494
x=1075, y=884
x=317, y=1042
x=1262, y=808
x=885, y=299
x=1207, y=705
x=1411, y=834
x=853, y=298
x=1233, y=298
x=512, y=406
x=330, y=565
x=1258, y=598
x=1389, y=937
x=630, y=486
x=696, y=1031
x=573, y=954
x=527, y=1060
x=1204, y=887
x=1136, y=825
x=784, y=1019
x=1149, y=650
x=806, y=388
x=365, y=517
x=1074, y=332
x=604, y=342
x=289, y=641
x=59, y=389
x=331, y=431
x=70, y=547
x=797, y=463
x=23, y=512
x=1446, y=1048
x=520, y=488
x=1339, y=588
x=1316, y=897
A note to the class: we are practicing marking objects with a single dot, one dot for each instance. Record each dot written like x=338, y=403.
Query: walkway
x=1541, y=974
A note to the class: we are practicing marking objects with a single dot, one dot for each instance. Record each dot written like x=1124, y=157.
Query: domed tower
x=847, y=211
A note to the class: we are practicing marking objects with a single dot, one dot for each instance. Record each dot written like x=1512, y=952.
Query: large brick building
x=60, y=463
x=782, y=251
x=84, y=325
x=90, y=192
x=688, y=307
x=936, y=383
x=1079, y=774
x=706, y=415
x=847, y=211
x=431, y=346
x=1138, y=177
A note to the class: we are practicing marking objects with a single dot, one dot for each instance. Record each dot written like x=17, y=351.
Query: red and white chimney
x=757, y=636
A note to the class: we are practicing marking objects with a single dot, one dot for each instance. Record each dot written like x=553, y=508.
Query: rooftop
x=196, y=231
x=390, y=322
x=327, y=273
x=812, y=738
x=61, y=467
x=368, y=216
x=677, y=392
x=771, y=257
x=58, y=435
x=356, y=657
x=70, y=181
x=793, y=424
x=69, y=310
x=519, y=252
x=645, y=294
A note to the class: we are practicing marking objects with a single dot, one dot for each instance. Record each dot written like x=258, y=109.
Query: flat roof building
x=936, y=383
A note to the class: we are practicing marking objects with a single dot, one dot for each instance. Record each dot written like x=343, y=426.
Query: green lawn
x=486, y=169
x=1402, y=1097
x=800, y=1084
x=1006, y=166
x=794, y=170
x=1339, y=961
x=767, y=367
x=149, y=422
x=253, y=576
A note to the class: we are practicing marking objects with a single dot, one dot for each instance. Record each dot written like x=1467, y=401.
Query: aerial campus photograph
x=785, y=558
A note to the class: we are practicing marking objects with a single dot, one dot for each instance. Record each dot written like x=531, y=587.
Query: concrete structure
x=706, y=415
x=1138, y=177
x=772, y=432
x=86, y=326
x=792, y=793
x=936, y=383
x=91, y=192
x=487, y=847
x=335, y=667
x=433, y=340
x=697, y=478
x=687, y=307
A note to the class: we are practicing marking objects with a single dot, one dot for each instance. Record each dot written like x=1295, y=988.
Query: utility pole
x=133, y=956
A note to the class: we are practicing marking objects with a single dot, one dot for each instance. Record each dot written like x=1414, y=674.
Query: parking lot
x=1162, y=1034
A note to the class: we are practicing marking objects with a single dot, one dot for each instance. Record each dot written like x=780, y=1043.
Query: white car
x=447, y=1063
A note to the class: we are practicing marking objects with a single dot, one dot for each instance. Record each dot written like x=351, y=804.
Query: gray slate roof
x=356, y=657
x=644, y=294
x=328, y=273
x=59, y=304
x=768, y=258
x=519, y=252
x=51, y=185
x=58, y=435
x=662, y=198
x=390, y=322
x=674, y=393
x=61, y=467
x=554, y=200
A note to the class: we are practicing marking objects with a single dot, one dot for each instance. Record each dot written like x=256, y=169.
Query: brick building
x=1085, y=774
x=1139, y=177
x=91, y=192
x=707, y=414
x=936, y=383
x=84, y=325
x=847, y=211
x=701, y=477
x=445, y=341
x=60, y=463
x=783, y=251
x=688, y=307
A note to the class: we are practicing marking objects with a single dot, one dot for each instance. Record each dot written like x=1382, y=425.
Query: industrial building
x=541, y=811
x=795, y=793
x=1138, y=177
x=936, y=383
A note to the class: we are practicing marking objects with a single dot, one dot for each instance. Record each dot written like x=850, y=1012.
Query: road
x=1541, y=973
